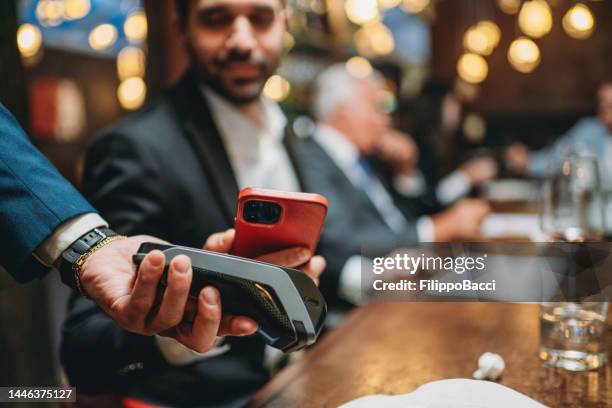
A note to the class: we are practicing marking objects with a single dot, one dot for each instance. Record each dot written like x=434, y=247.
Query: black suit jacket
x=353, y=225
x=162, y=171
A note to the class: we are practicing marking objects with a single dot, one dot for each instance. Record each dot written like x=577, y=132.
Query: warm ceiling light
x=472, y=68
x=579, y=22
x=130, y=63
x=361, y=11
x=76, y=9
x=524, y=55
x=359, y=67
x=415, y=6
x=381, y=39
x=491, y=31
x=277, y=88
x=29, y=40
x=102, y=37
x=476, y=40
x=535, y=18
x=50, y=13
x=388, y=4
x=509, y=6
x=135, y=27
x=131, y=93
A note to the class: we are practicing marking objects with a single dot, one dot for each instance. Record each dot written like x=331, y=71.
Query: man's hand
x=200, y=335
x=299, y=258
x=479, y=170
x=462, y=221
x=130, y=299
x=108, y=277
x=399, y=150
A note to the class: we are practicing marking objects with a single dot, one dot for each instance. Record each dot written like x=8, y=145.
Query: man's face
x=605, y=105
x=365, y=121
x=236, y=45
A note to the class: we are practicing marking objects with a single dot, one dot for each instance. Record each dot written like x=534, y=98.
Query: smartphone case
x=300, y=223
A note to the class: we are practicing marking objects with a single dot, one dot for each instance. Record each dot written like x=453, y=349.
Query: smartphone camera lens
x=261, y=212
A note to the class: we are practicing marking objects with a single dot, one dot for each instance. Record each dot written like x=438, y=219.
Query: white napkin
x=454, y=393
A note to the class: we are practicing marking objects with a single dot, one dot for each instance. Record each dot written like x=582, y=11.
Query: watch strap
x=77, y=249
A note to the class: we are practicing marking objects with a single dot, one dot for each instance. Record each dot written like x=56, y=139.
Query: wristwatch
x=76, y=250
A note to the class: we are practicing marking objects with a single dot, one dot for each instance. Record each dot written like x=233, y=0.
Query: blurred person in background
x=592, y=136
x=437, y=133
x=363, y=211
x=174, y=169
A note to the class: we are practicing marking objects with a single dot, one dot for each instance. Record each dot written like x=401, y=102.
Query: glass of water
x=573, y=336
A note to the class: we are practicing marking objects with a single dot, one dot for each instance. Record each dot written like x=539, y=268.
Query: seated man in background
x=590, y=135
x=362, y=211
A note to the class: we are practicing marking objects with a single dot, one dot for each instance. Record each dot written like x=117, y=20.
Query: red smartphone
x=269, y=221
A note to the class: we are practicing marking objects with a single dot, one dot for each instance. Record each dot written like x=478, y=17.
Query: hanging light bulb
x=29, y=40
x=524, y=55
x=579, y=22
x=472, y=68
x=131, y=93
x=491, y=31
x=415, y=6
x=535, y=18
x=361, y=11
x=509, y=6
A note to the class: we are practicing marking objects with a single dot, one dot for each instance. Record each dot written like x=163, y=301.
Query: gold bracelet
x=76, y=267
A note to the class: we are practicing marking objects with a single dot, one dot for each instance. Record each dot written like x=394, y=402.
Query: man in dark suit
x=174, y=169
x=366, y=217
x=45, y=223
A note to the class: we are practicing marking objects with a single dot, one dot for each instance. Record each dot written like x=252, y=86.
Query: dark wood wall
x=566, y=80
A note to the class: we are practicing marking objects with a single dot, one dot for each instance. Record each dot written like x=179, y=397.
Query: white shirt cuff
x=64, y=235
x=410, y=186
x=425, y=229
x=350, y=279
x=177, y=354
x=452, y=187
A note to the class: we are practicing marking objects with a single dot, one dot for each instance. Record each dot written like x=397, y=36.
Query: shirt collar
x=342, y=151
x=235, y=126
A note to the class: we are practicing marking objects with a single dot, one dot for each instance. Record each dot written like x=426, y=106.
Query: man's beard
x=216, y=82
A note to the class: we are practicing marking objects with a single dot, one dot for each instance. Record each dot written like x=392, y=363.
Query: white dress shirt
x=345, y=155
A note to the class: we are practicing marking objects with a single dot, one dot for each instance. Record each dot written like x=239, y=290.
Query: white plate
x=454, y=393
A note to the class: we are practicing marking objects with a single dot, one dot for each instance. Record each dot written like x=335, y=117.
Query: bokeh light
x=76, y=9
x=472, y=68
x=102, y=37
x=135, y=27
x=359, y=67
x=415, y=6
x=131, y=93
x=388, y=4
x=361, y=11
x=29, y=40
x=277, y=88
x=524, y=55
x=579, y=22
x=535, y=18
x=131, y=62
x=509, y=6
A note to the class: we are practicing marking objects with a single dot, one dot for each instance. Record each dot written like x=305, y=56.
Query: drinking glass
x=572, y=204
x=573, y=335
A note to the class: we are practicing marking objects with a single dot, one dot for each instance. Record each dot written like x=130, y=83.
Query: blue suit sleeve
x=34, y=199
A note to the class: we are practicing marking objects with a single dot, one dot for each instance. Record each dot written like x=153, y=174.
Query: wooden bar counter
x=394, y=347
